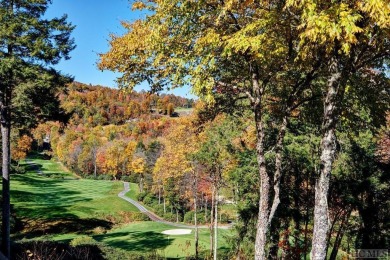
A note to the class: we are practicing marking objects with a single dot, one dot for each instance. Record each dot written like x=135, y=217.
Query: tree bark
x=141, y=184
x=6, y=156
x=274, y=239
x=164, y=204
x=196, y=230
x=205, y=209
x=278, y=167
x=212, y=221
x=159, y=193
x=94, y=164
x=339, y=236
x=195, y=191
x=262, y=220
x=216, y=224
x=328, y=151
x=332, y=227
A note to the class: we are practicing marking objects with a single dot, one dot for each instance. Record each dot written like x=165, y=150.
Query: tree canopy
x=29, y=44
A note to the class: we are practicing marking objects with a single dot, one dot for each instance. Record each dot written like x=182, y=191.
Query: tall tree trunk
x=212, y=221
x=205, y=209
x=332, y=227
x=195, y=191
x=262, y=220
x=278, y=166
x=141, y=184
x=328, y=151
x=6, y=156
x=196, y=229
x=5, y=121
x=274, y=239
x=164, y=204
x=216, y=224
x=94, y=165
x=306, y=242
x=159, y=193
x=339, y=236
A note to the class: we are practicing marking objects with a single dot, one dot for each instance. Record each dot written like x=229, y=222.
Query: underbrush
x=124, y=217
x=82, y=249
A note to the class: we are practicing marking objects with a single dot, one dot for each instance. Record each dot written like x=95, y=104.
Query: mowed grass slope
x=49, y=200
x=53, y=204
x=38, y=196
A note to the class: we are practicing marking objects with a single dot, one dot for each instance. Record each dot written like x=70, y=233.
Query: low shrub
x=141, y=196
x=149, y=199
x=125, y=178
x=159, y=209
x=84, y=240
x=189, y=217
x=55, y=250
x=128, y=217
x=105, y=177
x=17, y=169
x=170, y=216
x=62, y=251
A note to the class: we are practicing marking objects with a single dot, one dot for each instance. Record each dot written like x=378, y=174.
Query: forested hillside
x=284, y=155
x=107, y=127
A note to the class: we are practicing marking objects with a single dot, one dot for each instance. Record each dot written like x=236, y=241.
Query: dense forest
x=287, y=149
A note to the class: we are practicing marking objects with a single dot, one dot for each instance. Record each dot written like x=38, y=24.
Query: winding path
x=154, y=217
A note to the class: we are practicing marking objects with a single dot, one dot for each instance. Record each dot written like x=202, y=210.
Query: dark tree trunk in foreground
x=328, y=151
x=6, y=210
x=30, y=44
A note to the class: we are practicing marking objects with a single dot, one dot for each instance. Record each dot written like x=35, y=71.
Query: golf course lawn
x=53, y=204
x=146, y=236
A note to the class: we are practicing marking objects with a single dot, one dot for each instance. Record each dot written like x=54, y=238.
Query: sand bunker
x=177, y=232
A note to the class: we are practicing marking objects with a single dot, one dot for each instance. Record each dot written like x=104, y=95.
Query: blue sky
x=95, y=20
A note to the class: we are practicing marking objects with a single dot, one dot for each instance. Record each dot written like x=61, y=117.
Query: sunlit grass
x=56, y=205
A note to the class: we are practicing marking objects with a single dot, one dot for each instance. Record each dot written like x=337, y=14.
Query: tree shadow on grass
x=137, y=241
x=44, y=207
x=40, y=156
x=38, y=169
x=43, y=198
x=29, y=167
x=37, y=228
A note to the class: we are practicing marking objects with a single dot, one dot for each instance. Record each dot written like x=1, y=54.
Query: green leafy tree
x=28, y=44
x=217, y=160
x=353, y=37
x=243, y=49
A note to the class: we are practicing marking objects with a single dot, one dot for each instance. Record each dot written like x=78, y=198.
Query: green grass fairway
x=63, y=203
x=53, y=204
x=146, y=236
